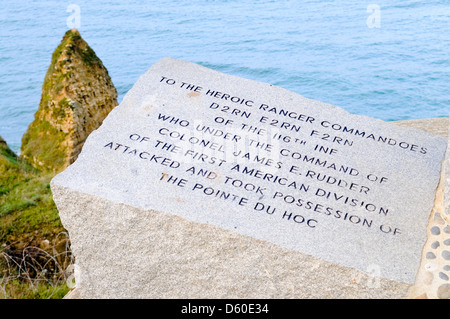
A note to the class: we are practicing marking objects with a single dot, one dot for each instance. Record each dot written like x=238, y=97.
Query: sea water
x=385, y=59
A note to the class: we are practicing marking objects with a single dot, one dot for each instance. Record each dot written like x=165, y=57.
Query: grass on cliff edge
x=33, y=254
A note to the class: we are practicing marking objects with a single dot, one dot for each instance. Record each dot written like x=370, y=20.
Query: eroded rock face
x=77, y=95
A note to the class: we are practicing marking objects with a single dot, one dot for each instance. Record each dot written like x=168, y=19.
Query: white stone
x=151, y=213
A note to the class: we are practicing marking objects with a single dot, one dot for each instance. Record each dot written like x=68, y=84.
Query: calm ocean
x=385, y=59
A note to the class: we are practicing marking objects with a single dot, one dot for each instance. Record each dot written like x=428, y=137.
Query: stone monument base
x=261, y=269
x=205, y=261
x=206, y=185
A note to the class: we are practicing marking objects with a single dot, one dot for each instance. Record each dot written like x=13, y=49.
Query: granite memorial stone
x=206, y=185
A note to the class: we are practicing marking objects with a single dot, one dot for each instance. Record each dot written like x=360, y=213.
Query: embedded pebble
x=430, y=255
x=446, y=254
x=438, y=219
x=443, y=291
x=443, y=276
x=435, y=230
x=435, y=245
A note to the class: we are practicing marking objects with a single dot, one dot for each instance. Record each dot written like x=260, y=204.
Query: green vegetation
x=49, y=142
x=89, y=57
x=18, y=289
x=29, y=218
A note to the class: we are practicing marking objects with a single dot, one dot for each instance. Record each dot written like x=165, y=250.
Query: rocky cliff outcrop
x=77, y=95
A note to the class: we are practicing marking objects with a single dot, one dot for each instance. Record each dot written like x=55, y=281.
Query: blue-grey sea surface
x=385, y=59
